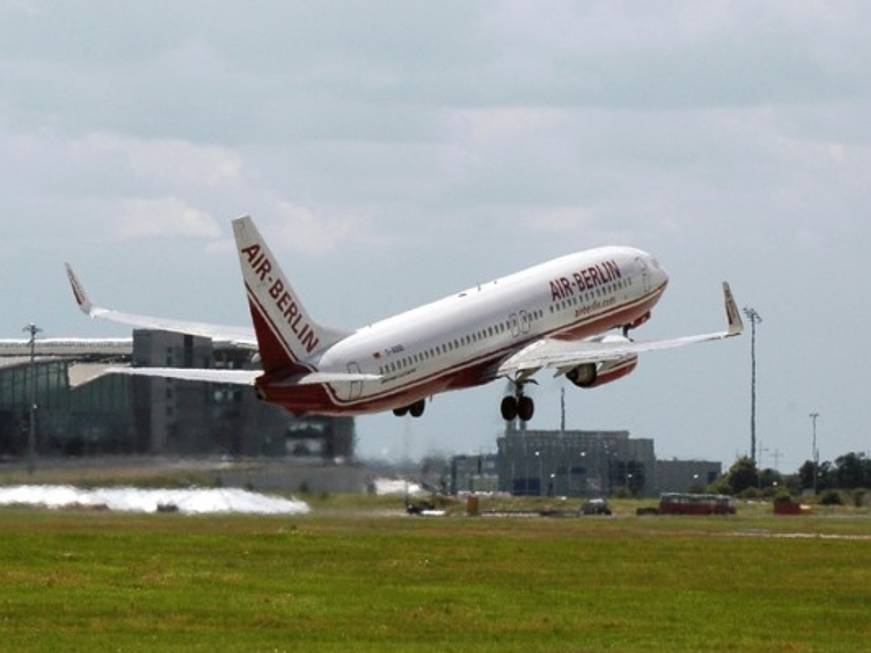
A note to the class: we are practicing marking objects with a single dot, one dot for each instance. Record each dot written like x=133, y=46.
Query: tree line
x=851, y=471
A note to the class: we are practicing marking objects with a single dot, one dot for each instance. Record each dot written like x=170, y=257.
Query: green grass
x=85, y=581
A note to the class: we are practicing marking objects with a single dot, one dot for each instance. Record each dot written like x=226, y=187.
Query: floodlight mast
x=815, y=453
x=32, y=329
x=755, y=319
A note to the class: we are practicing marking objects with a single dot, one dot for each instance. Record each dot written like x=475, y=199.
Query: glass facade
x=94, y=418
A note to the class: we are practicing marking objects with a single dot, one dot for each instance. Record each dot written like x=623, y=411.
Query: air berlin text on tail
x=586, y=279
x=283, y=300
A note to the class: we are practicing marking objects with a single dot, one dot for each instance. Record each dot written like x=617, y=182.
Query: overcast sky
x=393, y=153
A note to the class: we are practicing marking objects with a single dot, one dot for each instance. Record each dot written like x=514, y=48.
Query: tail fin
x=79, y=291
x=733, y=317
x=286, y=335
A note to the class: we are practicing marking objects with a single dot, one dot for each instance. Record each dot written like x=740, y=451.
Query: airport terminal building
x=587, y=464
x=81, y=412
x=575, y=463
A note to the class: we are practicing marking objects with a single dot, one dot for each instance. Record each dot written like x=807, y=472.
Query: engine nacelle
x=583, y=376
x=590, y=375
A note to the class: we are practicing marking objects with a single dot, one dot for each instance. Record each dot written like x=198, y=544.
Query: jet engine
x=591, y=375
x=583, y=376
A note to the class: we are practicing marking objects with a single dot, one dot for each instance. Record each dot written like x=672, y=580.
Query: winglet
x=79, y=292
x=736, y=326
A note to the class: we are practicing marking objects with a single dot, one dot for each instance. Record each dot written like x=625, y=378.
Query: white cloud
x=146, y=218
x=302, y=229
x=169, y=161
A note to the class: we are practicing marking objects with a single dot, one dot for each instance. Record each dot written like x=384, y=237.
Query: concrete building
x=575, y=463
x=684, y=475
x=474, y=473
x=118, y=414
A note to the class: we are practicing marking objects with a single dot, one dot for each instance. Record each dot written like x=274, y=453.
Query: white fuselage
x=570, y=297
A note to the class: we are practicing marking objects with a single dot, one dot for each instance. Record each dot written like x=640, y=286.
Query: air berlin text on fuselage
x=284, y=301
x=586, y=279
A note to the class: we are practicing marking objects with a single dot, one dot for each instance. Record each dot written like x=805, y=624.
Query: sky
x=396, y=152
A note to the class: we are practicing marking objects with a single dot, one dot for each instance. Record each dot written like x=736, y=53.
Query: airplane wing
x=209, y=375
x=563, y=355
x=236, y=336
x=238, y=377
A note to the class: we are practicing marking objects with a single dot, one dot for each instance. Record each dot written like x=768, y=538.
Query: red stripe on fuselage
x=323, y=399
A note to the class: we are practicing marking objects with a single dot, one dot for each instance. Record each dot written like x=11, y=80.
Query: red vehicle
x=675, y=503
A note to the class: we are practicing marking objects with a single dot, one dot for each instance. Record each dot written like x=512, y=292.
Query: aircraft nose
x=659, y=274
x=663, y=276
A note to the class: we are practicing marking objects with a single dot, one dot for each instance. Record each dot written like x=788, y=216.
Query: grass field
x=351, y=581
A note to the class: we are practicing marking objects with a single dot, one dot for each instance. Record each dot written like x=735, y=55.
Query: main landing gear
x=518, y=405
x=415, y=409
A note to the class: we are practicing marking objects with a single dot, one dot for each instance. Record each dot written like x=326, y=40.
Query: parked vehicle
x=675, y=503
x=596, y=507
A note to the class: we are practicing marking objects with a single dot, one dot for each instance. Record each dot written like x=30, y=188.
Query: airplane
x=557, y=316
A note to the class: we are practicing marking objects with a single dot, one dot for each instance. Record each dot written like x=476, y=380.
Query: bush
x=858, y=497
x=749, y=493
x=782, y=495
x=719, y=486
x=831, y=498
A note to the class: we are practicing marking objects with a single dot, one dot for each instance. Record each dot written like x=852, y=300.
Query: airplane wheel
x=416, y=409
x=399, y=412
x=509, y=408
x=525, y=408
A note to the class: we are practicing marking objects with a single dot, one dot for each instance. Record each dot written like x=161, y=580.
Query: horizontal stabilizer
x=79, y=374
x=207, y=375
x=238, y=377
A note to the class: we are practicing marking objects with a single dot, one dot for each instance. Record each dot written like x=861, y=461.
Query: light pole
x=814, y=451
x=538, y=455
x=32, y=329
x=581, y=490
x=755, y=319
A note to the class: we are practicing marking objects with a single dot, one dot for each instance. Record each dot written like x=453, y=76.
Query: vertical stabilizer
x=287, y=336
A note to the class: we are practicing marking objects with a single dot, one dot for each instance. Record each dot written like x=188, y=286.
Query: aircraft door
x=525, y=322
x=515, y=325
x=356, y=387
